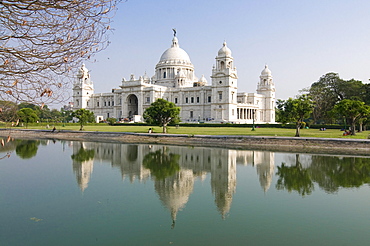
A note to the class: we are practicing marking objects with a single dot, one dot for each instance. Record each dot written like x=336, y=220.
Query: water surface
x=83, y=193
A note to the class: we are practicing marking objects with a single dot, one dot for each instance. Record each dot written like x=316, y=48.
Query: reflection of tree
x=27, y=149
x=161, y=164
x=83, y=155
x=333, y=172
x=294, y=178
x=329, y=172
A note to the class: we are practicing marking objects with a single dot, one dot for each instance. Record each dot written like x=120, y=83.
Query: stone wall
x=279, y=144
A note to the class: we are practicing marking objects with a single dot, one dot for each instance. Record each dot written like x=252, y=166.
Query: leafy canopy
x=84, y=116
x=162, y=113
x=329, y=90
x=295, y=110
x=353, y=111
x=27, y=115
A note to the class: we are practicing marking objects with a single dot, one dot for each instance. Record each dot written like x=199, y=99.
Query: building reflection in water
x=195, y=163
x=82, y=163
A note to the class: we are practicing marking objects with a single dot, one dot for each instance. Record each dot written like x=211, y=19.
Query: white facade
x=175, y=81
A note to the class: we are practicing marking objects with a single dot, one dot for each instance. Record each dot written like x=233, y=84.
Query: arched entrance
x=132, y=106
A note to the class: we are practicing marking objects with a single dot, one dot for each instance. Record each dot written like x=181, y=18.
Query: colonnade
x=171, y=72
x=246, y=113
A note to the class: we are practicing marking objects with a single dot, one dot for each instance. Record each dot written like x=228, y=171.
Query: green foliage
x=161, y=164
x=333, y=172
x=43, y=113
x=295, y=110
x=353, y=111
x=83, y=155
x=329, y=90
x=162, y=113
x=27, y=149
x=27, y=115
x=111, y=121
x=67, y=115
x=84, y=116
x=329, y=172
x=294, y=178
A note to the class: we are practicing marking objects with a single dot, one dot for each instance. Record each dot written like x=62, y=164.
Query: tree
x=329, y=90
x=111, y=121
x=44, y=113
x=41, y=41
x=161, y=113
x=84, y=116
x=295, y=110
x=353, y=111
x=27, y=115
x=8, y=111
x=67, y=115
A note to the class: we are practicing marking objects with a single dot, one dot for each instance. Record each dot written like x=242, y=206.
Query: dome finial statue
x=174, y=32
x=83, y=73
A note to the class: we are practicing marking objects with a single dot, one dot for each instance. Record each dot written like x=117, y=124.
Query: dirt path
x=281, y=144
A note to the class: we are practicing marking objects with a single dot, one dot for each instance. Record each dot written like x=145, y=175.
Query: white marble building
x=174, y=80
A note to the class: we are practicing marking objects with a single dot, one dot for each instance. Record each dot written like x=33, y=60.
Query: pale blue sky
x=299, y=40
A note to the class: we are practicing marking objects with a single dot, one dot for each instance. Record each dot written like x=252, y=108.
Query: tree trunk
x=360, y=127
x=164, y=128
x=353, y=128
x=298, y=126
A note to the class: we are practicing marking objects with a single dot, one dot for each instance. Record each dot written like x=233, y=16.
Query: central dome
x=175, y=53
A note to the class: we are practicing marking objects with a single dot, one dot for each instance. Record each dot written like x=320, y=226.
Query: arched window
x=222, y=65
x=164, y=75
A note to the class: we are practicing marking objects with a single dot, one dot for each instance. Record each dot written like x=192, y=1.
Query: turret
x=83, y=89
x=224, y=86
x=266, y=87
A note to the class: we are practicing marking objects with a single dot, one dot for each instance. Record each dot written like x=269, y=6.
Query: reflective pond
x=89, y=193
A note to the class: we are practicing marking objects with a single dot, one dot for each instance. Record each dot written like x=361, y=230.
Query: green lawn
x=330, y=133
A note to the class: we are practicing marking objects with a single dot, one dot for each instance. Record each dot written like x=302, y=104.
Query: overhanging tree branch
x=41, y=41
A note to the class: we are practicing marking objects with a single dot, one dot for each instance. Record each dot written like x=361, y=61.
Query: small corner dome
x=266, y=71
x=202, y=79
x=175, y=53
x=224, y=51
x=145, y=77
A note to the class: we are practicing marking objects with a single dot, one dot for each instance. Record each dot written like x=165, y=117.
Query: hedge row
x=288, y=126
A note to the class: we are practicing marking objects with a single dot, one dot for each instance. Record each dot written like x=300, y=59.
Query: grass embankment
x=282, y=132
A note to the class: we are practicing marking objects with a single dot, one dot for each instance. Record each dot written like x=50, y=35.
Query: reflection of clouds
x=174, y=191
